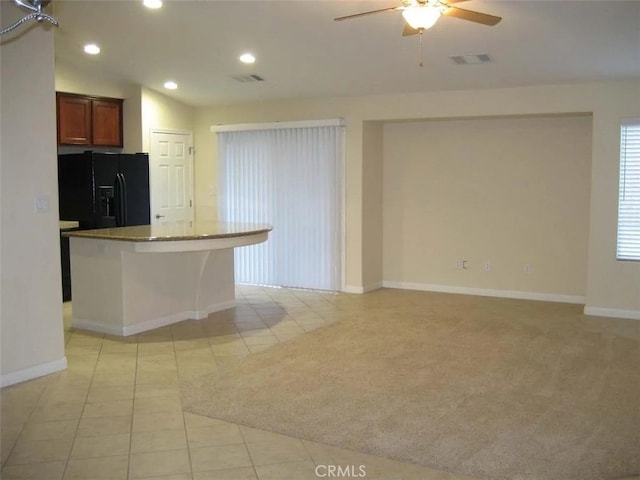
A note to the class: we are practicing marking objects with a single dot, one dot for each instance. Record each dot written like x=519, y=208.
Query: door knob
x=159, y=216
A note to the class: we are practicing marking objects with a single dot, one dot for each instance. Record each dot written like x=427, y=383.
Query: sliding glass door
x=292, y=179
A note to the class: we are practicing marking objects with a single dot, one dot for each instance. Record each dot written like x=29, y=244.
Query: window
x=629, y=193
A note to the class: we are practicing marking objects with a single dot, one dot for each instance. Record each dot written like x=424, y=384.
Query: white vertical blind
x=290, y=178
x=629, y=193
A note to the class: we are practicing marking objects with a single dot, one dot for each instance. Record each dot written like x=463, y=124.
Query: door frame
x=152, y=165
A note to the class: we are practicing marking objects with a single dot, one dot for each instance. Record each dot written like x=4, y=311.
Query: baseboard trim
x=83, y=324
x=33, y=372
x=204, y=313
x=127, y=330
x=612, y=312
x=364, y=289
x=372, y=287
x=352, y=289
x=483, y=292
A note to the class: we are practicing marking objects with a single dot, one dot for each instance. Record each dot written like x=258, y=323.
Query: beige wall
x=32, y=342
x=612, y=286
x=206, y=190
x=164, y=113
x=510, y=192
x=373, y=204
x=72, y=80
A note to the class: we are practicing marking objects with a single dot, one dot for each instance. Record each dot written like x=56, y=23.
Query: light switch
x=42, y=203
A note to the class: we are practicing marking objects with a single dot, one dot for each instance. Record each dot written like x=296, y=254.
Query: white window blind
x=290, y=178
x=629, y=192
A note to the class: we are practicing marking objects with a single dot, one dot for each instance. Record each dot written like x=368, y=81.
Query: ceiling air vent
x=247, y=78
x=470, y=59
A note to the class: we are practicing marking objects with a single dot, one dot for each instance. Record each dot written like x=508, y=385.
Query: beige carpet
x=492, y=388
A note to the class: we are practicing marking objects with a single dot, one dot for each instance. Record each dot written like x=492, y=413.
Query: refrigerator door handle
x=120, y=200
x=116, y=199
x=123, y=193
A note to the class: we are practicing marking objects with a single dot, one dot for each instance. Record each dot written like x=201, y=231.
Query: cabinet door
x=74, y=120
x=107, y=123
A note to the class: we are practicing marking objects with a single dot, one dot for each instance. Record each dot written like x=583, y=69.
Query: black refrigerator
x=101, y=190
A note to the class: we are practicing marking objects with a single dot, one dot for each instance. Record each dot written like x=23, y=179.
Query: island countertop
x=128, y=280
x=170, y=232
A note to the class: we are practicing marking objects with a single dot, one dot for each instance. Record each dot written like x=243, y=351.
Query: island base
x=119, y=291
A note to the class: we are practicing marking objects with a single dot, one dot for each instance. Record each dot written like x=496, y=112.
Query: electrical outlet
x=527, y=268
x=487, y=266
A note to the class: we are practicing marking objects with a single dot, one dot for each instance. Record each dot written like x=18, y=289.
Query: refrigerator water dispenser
x=106, y=201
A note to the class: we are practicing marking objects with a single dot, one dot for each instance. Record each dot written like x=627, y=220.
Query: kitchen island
x=129, y=280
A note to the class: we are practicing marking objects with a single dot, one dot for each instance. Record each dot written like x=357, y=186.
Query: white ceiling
x=302, y=52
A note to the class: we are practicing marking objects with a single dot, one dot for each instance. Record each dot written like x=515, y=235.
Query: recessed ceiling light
x=91, y=49
x=153, y=4
x=170, y=85
x=247, y=58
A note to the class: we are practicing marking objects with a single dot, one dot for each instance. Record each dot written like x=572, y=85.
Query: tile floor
x=116, y=413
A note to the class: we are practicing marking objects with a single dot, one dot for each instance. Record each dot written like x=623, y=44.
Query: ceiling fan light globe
x=421, y=17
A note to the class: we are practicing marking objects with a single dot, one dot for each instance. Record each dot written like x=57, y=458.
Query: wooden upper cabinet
x=92, y=121
x=107, y=123
x=74, y=120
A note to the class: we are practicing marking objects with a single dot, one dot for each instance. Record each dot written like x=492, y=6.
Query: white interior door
x=171, y=172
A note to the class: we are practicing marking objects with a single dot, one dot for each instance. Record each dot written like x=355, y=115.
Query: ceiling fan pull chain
x=420, y=52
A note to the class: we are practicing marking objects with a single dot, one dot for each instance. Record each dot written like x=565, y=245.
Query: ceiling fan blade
x=369, y=13
x=409, y=30
x=477, y=17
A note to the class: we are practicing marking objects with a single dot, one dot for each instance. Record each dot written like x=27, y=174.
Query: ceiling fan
x=423, y=14
x=35, y=6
